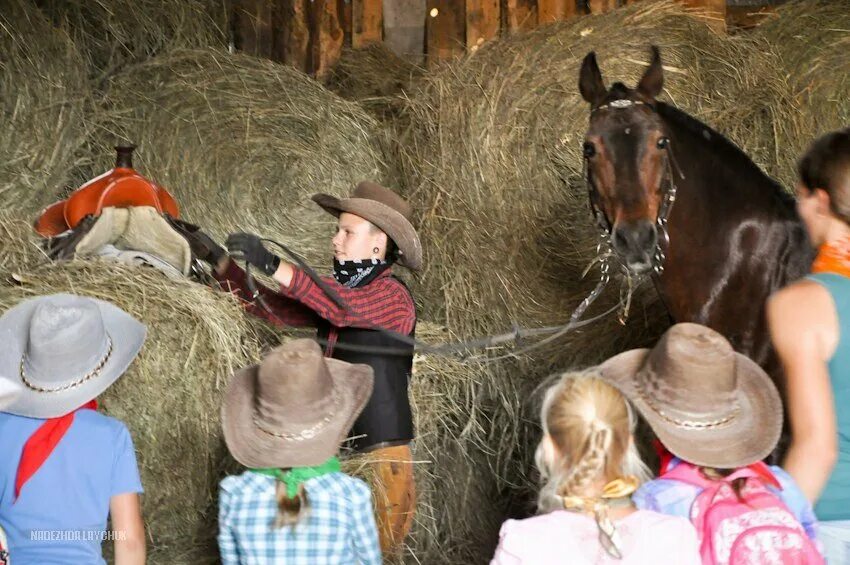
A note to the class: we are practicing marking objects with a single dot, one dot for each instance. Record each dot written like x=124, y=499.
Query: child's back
x=338, y=528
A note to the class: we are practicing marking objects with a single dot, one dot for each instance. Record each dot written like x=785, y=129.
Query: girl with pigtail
x=589, y=467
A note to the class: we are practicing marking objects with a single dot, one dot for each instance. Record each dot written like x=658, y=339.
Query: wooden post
x=253, y=27
x=291, y=37
x=716, y=9
x=327, y=36
x=555, y=10
x=520, y=15
x=601, y=6
x=345, y=20
x=482, y=22
x=367, y=22
x=446, y=26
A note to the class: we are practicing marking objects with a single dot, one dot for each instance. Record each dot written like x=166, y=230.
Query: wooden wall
x=310, y=34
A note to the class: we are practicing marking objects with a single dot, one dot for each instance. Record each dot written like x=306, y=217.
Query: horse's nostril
x=635, y=238
x=621, y=240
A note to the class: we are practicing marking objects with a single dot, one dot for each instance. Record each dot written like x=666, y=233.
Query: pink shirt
x=567, y=537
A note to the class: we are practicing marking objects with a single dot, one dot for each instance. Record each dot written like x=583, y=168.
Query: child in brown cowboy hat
x=284, y=419
x=374, y=233
x=719, y=414
x=66, y=467
x=590, y=467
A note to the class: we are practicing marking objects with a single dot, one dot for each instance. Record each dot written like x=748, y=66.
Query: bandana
x=833, y=258
x=616, y=493
x=41, y=444
x=353, y=274
x=293, y=477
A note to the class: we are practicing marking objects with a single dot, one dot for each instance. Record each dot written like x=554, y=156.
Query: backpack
x=757, y=529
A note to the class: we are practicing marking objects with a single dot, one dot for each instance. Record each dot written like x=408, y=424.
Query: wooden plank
x=252, y=21
x=292, y=33
x=519, y=15
x=445, y=35
x=715, y=9
x=327, y=36
x=367, y=22
x=483, y=20
x=345, y=20
x=601, y=6
x=549, y=11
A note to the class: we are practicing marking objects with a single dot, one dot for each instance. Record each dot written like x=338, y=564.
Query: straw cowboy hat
x=64, y=350
x=706, y=403
x=8, y=392
x=294, y=408
x=384, y=208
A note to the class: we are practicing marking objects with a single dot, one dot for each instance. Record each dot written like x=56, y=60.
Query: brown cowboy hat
x=706, y=403
x=384, y=208
x=294, y=408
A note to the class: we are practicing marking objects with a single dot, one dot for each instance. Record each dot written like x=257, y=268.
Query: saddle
x=121, y=187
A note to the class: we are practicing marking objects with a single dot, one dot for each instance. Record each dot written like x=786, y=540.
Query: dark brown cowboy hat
x=293, y=409
x=384, y=208
x=706, y=403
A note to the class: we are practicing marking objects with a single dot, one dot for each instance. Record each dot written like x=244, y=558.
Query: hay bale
x=241, y=142
x=169, y=397
x=112, y=34
x=812, y=39
x=375, y=77
x=42, y=78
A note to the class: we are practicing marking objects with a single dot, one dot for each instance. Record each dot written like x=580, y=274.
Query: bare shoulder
x=805, y=298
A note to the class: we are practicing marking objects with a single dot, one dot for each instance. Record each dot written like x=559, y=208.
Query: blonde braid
x=592, y=461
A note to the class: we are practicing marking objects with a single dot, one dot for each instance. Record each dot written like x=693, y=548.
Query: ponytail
x=290, y=510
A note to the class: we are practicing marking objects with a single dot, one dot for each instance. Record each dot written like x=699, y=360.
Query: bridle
x=668, y=198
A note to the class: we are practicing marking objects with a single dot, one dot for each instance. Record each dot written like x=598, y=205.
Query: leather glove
x=249, y=247
x=203, y=246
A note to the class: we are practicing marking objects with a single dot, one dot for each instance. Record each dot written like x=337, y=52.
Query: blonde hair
x=290, y=510
x=590, y=425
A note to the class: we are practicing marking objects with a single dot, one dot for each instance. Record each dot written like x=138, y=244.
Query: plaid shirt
x=385, y=303
x=339, y=528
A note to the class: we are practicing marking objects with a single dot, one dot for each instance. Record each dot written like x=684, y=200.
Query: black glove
x=203, y=246
x=249, y=247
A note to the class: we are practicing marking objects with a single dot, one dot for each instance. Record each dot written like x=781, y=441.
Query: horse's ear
x=653, y=79
x=590, y=82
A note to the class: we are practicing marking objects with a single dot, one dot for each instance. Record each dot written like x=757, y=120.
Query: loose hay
x=241, y=142
x=44, y=92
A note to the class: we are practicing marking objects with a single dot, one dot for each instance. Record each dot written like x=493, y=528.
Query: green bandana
x=297, y=475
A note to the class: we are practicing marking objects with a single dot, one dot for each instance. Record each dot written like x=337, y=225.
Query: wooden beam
x=601, y=6
x=549, y=11
x=445, y=29
x=345, y=20
x=482, y=22
x=367, y=22
x=519, y=15
x=291, y=43
x=327, y=36
x=715, y=9
x=252, y=20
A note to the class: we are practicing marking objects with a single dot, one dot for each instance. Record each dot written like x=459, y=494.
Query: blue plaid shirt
x=339, y=528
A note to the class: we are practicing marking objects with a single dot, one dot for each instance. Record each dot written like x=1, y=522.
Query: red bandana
x=833, y=258
x=42, y=443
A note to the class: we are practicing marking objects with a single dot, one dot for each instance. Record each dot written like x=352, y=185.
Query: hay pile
x=812, y=38
x=170, y=396
x=112, y=34
x=42, y=78
x=240, y=142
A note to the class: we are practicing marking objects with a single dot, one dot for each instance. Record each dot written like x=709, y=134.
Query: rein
x=517, y=334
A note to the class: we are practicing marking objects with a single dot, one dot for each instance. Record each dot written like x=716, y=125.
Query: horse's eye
x=663, y=142
x=589, y=150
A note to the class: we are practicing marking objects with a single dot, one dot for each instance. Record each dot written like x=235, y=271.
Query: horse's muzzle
x=635, y=242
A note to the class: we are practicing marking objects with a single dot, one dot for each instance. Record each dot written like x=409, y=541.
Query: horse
x=682, y=204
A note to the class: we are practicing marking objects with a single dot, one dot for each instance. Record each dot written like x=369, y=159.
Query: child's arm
x=364, y=533
x=126, y=513
x=227, y=548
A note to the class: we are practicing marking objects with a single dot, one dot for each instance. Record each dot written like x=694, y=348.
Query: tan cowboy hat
x=384, y=208
x=706, y=403
x=293, y=409
x=64, y=350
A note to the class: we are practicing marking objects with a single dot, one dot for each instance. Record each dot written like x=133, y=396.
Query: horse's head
x=626, y=154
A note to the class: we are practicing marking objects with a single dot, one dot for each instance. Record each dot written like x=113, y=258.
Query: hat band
x=305, y=434
x=721, y=422
x=88, y=376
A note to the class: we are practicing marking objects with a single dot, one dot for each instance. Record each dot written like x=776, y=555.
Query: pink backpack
x=758, y=531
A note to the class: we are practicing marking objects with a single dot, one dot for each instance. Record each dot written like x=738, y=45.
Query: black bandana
x=353, y=274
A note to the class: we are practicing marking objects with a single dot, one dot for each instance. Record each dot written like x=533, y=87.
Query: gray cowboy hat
x=706, y=403
x=384, y=208
x=64, y=350
x=294, y=408
x=8, y=392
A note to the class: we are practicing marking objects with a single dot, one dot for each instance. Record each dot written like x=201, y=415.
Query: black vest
x=386, y=419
